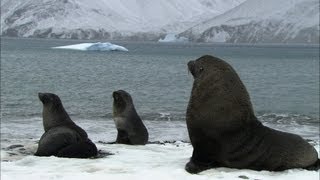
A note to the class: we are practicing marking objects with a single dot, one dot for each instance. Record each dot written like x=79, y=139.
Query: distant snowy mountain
x=234, y=21
x=106, y=19
x=262, y=21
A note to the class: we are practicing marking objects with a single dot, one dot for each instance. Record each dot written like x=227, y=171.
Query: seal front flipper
x=203, y=153
x=83, y=149
x=314, y=167
x=123, y=137
x=201, y=160
x=194, y=168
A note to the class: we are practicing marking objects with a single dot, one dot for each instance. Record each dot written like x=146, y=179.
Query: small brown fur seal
x=62, y=137
x=131, y=129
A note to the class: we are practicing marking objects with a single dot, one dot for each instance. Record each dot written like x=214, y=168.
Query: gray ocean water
x=282, y=80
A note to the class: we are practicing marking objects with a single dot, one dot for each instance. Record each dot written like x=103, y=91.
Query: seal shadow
x=149, y=142
x=102, y=154
x=17, y=151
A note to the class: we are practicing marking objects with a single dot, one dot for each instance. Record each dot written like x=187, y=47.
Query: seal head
x=122, y=102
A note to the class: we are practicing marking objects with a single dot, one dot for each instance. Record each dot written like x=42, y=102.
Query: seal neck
x=53, y=117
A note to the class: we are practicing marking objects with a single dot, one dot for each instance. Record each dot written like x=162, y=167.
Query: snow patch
x=256, y=21
x=98, y=19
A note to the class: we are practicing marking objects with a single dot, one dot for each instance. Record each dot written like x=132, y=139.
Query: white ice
x=99, y=46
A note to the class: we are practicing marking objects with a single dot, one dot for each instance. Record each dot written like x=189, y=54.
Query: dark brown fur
x=131, y=129
x=62, y=137
x=224, y=131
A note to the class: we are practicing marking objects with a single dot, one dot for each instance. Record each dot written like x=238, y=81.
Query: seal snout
x=43, y=97
x=191, y=67
x=115, y=95
x=40, y=94
x=119, y=93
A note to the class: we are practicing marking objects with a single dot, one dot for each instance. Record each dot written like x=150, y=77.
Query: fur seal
x=131, y=129
x=225, y=132
x=62, y=137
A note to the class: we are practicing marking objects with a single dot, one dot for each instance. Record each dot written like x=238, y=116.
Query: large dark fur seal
x=224, y=131
x=131, y=129
x=62, y=137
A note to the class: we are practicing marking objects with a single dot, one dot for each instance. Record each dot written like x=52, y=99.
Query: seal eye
x=201, y=69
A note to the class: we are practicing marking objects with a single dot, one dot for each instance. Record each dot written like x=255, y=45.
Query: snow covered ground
x=152, y=161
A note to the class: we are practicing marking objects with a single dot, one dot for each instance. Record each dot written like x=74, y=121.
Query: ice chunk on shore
x=99, y=46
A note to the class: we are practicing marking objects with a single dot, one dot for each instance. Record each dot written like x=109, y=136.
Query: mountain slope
x=117, y=19
x=260, y=21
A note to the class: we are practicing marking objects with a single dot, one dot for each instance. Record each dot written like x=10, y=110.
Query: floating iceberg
x=173, y=38
x=99, y=46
